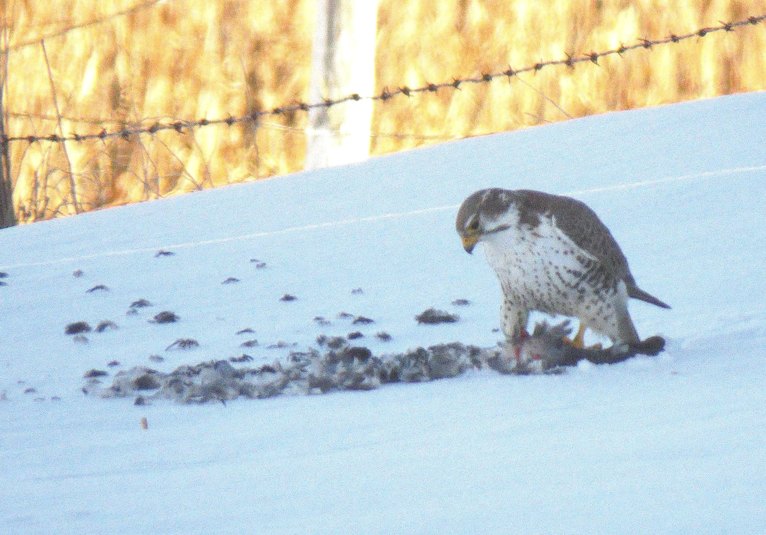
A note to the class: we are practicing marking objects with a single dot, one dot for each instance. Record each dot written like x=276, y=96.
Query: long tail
x=637, y=293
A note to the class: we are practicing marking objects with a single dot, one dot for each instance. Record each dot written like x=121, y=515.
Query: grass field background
x=107, y=65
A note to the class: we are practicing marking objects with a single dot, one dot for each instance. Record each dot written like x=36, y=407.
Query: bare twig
x=184, y=170
x=146, y=181
x=206, y=165
x=544, y=96
x=252, y=103
x=72, y=182
x=68, y=29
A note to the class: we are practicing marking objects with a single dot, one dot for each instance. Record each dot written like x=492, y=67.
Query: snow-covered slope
x=668, y=444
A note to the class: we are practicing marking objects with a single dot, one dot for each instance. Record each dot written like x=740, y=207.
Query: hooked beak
x=469, y=242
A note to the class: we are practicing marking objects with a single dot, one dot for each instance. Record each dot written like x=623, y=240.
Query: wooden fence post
x=343, y=62
x=7, y=214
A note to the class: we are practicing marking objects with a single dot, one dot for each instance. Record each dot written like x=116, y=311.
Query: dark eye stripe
x=498, y=229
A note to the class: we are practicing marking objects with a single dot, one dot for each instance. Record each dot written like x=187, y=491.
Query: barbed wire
x=69, y=118
x=373, y=135
x=261, y=124
x=387, y=94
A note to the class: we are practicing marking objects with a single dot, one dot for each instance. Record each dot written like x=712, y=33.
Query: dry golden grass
x=184, y=59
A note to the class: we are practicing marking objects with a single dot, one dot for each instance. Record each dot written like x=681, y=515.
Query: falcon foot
x=578, y=342
x=548, y=349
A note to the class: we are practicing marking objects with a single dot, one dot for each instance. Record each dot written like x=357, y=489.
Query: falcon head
x=484, y=214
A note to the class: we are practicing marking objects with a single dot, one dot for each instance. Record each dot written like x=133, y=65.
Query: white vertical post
x=343, y=63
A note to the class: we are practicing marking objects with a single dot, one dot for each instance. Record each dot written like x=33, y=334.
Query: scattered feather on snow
x=78, y=327
x=348, y=367
x=433, y=316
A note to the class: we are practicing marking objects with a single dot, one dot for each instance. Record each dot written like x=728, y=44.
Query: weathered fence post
x=343, y=62
x=7, y=215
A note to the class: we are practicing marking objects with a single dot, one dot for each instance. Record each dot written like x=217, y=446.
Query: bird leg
x=579, y=340
x=518, y=341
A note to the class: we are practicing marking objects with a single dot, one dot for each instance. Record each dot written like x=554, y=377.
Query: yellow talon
x=579, y=340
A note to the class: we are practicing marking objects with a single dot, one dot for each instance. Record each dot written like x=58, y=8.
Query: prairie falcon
x=552, y=254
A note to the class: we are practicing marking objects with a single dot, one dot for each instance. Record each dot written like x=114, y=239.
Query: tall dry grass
x=188, y=59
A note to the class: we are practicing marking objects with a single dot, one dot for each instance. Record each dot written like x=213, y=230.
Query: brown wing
x=583, y=227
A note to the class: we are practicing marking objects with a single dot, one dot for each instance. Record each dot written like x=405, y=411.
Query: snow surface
x=672, y=444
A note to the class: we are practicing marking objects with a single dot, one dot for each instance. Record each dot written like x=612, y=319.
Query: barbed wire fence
x=256, y=118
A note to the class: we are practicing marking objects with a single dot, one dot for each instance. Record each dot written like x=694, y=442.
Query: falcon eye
x=473, y=225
